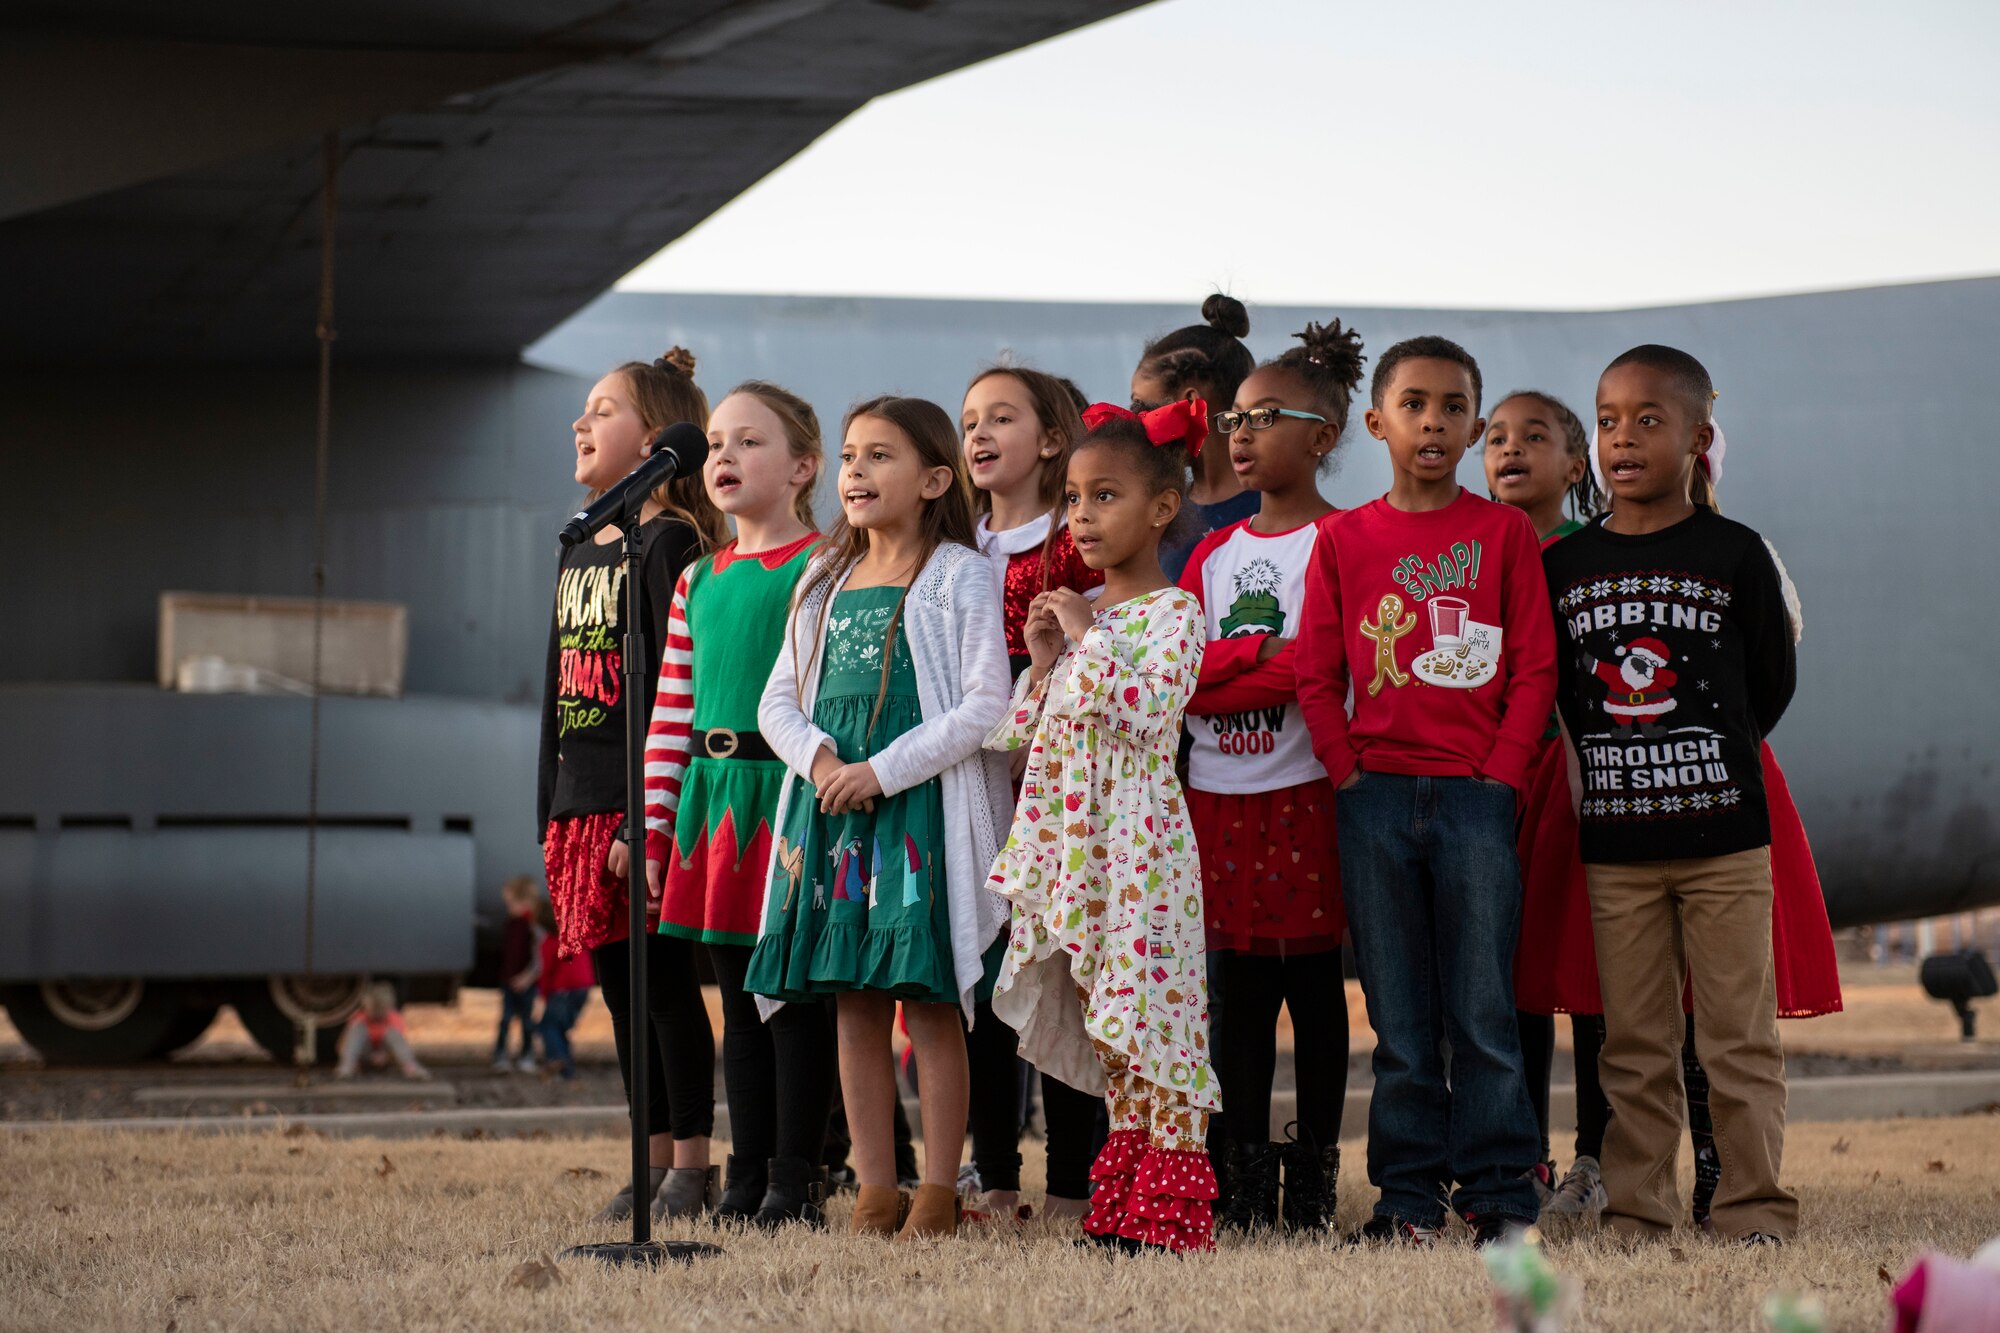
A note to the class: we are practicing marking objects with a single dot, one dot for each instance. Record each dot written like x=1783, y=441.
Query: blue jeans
x=559, y=1015
x=1433, y=898
x=516, y=1005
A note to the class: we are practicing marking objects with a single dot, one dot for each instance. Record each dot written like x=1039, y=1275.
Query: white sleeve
x=780, y=717
x=955, y=735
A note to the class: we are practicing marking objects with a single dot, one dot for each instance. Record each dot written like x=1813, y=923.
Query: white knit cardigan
x=959, y=653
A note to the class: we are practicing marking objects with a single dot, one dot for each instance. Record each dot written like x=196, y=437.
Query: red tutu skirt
x=1270, y=870
x=1555, y=965
x=589, y=901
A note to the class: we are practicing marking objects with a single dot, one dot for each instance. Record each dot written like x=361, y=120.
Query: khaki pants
x=1654, y=923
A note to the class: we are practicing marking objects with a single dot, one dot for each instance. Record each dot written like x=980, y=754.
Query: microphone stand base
x=643, y=1254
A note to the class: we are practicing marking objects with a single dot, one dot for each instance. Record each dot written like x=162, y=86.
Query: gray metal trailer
x=153, y=859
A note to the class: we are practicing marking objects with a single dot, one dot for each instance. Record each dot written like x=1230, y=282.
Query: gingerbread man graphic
x=1394, y=624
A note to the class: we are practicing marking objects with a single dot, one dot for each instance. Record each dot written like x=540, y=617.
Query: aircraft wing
x=500, y=163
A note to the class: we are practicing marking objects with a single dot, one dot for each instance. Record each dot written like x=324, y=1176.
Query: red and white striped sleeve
x=670, y=736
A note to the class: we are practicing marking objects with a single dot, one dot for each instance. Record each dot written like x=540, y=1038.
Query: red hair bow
x=1183, y=421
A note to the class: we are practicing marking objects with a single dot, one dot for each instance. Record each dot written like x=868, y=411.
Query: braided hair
x=1585, y=499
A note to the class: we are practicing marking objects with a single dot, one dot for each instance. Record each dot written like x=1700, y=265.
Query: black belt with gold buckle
x=722, y=743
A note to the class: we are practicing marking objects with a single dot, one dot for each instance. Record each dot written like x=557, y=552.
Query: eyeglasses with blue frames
x=1261, y=418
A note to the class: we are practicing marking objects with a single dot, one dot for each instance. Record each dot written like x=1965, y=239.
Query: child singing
x=1262, y=805
x=1019, y=426
x=1679, y=660
x=1105, y=977
x=892, y=669
x=1428, y=607
x=1537, y=457
x=580, y=798
x=712, y=784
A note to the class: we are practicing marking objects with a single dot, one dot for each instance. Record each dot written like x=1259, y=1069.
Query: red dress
x=1555, y=965
x=1026, y=564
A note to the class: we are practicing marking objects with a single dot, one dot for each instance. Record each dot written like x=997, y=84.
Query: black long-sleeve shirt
x=583, y=717
x=1675, y=661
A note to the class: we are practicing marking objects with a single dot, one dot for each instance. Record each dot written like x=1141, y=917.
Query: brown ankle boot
x=934, y=1213
x=877, y=1209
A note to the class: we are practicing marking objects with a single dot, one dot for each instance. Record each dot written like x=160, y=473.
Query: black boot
x=1311, y=1176
x=1252, y=1195
x=742, y=1190
x=797, y=1193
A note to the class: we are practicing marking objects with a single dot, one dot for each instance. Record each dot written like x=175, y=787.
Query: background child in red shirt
x=518, y=967
x=565, y=986
x=1430, y=602
x=1261, y=804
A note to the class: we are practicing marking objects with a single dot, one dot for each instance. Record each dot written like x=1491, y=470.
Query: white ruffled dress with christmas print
x=1105, y=977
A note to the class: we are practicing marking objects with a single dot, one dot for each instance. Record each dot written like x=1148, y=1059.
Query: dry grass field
x=274, y=1231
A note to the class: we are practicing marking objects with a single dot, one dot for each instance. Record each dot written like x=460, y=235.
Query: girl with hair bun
x=580, y=792
x=1206, y=362
x=1262, y=805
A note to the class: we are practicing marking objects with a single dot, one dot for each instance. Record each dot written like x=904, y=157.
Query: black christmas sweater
x=1674, y=662
x=583, y=717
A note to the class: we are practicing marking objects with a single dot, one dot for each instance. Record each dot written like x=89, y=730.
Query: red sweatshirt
x=1412, y=610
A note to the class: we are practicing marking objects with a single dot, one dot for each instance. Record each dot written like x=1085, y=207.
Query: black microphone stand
x=642, y=1250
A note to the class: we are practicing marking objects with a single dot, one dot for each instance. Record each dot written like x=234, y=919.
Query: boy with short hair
x=1677, y=662
x=1431, y=603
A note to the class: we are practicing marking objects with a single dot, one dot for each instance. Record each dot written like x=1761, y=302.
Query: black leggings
x=778, y=1074
x=1538, y=1054
x=680, y=1078
x=992, y=1057
x=1593, y=1112
x=1311, y=988
x=1077, y=1125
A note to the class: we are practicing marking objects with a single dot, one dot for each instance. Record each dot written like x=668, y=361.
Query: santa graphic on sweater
x=1638, y=687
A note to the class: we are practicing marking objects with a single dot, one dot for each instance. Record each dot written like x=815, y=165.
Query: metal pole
x=642, y=1250
x=323, y=330
x=633, y=666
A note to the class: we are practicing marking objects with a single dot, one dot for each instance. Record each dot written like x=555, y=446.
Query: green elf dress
x=712, y=783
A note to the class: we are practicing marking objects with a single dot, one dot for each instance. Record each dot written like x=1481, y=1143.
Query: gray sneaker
x=1581, y=1192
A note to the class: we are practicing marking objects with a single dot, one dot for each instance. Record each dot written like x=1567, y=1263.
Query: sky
x=1458, y=153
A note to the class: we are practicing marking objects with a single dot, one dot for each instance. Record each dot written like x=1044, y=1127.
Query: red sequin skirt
x=1555, y=965
x=589, y=901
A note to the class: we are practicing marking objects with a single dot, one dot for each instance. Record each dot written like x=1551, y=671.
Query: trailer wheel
x=97, y=1021
x=188, y=1027
x=273, y=1007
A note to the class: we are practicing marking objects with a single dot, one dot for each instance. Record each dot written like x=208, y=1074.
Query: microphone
x=677, y=450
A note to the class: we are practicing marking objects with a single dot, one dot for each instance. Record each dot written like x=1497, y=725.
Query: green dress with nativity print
x=857, y=901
